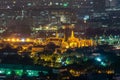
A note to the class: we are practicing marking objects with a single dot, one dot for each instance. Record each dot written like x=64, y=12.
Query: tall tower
x=72, y=34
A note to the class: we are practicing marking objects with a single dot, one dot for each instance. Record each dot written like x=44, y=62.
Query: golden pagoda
x=73, y=41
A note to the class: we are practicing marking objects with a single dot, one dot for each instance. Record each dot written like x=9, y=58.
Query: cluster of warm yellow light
x=75, y=72
x=18, y=40
x=108, y=72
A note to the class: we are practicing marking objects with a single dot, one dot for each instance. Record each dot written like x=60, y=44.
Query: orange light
x=4, y=39
x=28, y=40
x=99, y=72
x=8, y=39
x=13, y=40
x=67, y=47
x=17, y=40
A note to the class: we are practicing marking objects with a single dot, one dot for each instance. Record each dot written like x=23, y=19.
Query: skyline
x=59, y=40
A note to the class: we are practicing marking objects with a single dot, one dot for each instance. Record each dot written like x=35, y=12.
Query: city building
x=71, y=42
x=99, y=5
x=111, y=3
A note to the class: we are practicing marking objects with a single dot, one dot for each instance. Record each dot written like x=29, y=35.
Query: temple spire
x=57, y=34
x=72, y=34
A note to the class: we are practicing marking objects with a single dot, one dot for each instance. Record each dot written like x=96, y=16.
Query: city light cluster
x=18, y=40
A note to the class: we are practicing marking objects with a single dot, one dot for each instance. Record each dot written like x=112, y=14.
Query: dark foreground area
x=26, y=72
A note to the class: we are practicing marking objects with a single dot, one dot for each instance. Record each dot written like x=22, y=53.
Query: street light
x=98, y=59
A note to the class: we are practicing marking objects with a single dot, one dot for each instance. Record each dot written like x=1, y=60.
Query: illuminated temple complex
x=61, y=43
x=71, y=42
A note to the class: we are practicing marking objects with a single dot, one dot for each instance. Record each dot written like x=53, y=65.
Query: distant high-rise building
x=111, y=3
x=118, y=3
x=99, y=5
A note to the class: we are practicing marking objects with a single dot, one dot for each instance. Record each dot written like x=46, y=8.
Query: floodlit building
x=71, y=42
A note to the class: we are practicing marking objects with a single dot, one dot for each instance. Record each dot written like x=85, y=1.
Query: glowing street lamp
x=8, y=39
x=28, y=40
x=98, y=59
x=13, y=40
x=23, y=40
x=103, y=63
x=17, y=40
